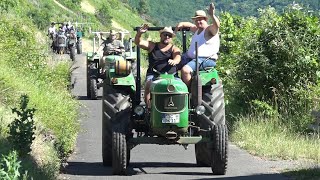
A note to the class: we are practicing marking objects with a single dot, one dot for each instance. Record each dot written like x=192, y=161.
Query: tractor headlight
x=139, y=110
x=200, y=110
x=171, y=88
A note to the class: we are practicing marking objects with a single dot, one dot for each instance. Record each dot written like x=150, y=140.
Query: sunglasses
x=167, y=34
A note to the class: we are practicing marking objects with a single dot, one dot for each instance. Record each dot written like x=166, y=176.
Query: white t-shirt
x=52, y=30
x=208, y=48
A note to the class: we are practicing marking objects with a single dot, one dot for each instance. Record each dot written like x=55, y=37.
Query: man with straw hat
x=163, y=56
x=207, y=36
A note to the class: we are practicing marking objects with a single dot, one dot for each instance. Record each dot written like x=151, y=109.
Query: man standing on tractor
x=163, y=56
x=52, y=30
x=207, y=37
x=52, y=33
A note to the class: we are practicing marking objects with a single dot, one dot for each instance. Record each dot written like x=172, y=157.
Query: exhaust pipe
x=171, y=135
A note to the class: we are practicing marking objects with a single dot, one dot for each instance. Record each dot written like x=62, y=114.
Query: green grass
x=274, y=140
x=270, y=138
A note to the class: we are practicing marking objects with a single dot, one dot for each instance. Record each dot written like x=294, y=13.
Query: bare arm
x=190, y=25
x=176, y=56
x=214, y=27
x=141, y=42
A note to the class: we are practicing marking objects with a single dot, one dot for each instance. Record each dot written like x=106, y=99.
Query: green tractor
x=98, y=65
x=176, y=117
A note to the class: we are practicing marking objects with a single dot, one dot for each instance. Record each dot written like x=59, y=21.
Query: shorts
x=203, y=62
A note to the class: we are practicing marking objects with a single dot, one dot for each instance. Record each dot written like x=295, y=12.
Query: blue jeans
x=203, y=62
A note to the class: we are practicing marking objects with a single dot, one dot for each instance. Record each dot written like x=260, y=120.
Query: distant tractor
x=65, y=43
x=98, y=65
x=176, y=116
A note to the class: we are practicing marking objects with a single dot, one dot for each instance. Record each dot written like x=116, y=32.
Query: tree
x=104, y=14
x=144, y=7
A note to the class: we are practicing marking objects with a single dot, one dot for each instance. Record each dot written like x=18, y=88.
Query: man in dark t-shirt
x=162, y=55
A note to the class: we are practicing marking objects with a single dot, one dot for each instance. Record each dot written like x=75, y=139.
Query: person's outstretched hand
x=144, y=28
x=211, y=9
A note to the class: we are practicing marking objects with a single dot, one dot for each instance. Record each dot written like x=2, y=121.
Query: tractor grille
x=170, y=102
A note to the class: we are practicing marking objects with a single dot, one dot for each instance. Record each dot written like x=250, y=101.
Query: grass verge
x=271, y=139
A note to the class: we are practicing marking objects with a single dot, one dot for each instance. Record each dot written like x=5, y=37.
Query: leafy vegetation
x=10, y=167
x=22, y=128
x=171, y=12
x=269, y=65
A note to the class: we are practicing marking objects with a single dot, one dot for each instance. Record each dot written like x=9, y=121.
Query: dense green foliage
x=272, y=62
x=171, y=12
x=25, y=68
x=10, y=167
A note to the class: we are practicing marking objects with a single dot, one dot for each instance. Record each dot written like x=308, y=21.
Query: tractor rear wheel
x=93, y=88
x=79, y=48
x=114, y=104
x=73, y=53
x=88, y=81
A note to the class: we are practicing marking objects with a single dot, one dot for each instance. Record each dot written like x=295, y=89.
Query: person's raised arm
x=214, y=27
x=141, y=42
x=181, y=25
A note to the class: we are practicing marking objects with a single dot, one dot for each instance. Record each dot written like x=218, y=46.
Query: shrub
x=22, y=128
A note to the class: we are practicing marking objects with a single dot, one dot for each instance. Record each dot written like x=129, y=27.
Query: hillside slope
x=171, y=12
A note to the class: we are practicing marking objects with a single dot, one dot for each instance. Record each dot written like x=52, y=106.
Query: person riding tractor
x=110, y=46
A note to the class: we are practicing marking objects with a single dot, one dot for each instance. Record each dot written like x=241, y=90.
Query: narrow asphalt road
x=148, y=161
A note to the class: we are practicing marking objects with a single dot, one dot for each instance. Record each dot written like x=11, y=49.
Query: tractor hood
x=167, y=83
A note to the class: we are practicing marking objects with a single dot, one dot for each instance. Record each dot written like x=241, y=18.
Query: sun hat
x=113, y=32
x=200, y=13
x=168, y=30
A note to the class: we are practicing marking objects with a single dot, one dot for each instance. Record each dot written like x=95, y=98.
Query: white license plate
x=170, y=118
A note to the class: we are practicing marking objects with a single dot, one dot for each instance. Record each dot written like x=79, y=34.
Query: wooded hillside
x=165, y=12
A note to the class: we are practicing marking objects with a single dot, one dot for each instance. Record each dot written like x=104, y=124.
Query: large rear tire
x=88, y=81
x=93, y=89
x=79, y=48
x=114, y=102
x=73, y=53
x=213, y=101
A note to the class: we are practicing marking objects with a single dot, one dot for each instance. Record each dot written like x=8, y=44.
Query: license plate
x=170, y=118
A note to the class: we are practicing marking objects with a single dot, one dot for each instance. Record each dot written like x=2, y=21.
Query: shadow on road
x=86, y=98
x=137, y=168
x=97, y=169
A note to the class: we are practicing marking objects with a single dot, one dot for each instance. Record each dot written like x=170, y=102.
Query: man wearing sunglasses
x=163, y=56
x=207, y=37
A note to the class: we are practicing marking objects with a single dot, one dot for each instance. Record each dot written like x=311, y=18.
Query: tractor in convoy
x=98, y=65
x=65, y=41
x=177, y=116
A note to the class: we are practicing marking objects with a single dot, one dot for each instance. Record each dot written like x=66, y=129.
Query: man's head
x=113, y=35
x=53, y=23
x=200, y=18
x=166, y=35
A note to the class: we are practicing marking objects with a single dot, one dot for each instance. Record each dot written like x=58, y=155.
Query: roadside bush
x=271, y=64
x=22, y=128
x=10, y=167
